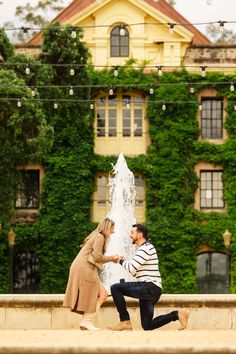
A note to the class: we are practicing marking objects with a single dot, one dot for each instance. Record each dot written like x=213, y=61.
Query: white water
x=122, y=198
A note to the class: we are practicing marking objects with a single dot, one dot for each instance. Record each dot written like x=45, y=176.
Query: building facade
x=152, y=35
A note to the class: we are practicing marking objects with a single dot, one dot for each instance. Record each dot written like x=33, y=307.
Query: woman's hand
x=115, y=259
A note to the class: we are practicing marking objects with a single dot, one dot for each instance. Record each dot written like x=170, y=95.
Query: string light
x=192, y=89
x=151, y=67
x=25, y=33
x=130, y=86
x=122, y=30
x=116, y=73
x=128, y=103
x=221, y=25
x=33, y=92
x=171, y=28
x=159, y=70
x=61, y=27
x=73, y=33
x=151, y=90
x=111, y=91
x=232, y=87
x=71, y=92
x=72, y=71
x=27, y=70
x=203, y=71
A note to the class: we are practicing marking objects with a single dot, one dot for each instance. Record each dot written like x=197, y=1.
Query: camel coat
x=83, y=284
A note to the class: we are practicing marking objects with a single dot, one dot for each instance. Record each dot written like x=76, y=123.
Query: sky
x=194, y=11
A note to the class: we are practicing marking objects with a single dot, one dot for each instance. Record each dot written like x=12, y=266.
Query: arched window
x=212, y=273
x=119, y=42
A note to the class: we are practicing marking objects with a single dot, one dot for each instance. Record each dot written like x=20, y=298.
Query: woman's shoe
x=88, y=327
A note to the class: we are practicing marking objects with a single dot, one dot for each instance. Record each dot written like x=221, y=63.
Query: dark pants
x=148, y=294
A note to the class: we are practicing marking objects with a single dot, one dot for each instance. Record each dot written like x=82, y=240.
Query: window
x=119, y=42
x=121, y=114
x=101, y=200
x=28, y=192
x=212, y=273
x=26, y=276
x=211, y=189
x=212, y=118
x=103, y=190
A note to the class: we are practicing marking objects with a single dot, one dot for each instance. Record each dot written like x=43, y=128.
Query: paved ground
x=108, y=342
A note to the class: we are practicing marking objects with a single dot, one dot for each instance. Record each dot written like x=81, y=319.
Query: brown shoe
x=121, y=326
x=183, y=318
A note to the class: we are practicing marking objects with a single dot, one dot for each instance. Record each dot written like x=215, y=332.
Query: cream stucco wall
x=149, y=38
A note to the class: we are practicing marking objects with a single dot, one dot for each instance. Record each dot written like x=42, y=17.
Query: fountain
x=122, y=200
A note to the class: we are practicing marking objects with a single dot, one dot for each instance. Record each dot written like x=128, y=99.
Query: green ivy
x=64, y=144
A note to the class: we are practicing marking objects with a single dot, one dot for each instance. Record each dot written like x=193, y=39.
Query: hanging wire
x=74, y=27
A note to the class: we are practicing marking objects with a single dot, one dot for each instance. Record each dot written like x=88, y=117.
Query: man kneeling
x=148, y=289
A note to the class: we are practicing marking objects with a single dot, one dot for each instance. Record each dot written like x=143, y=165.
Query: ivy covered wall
x=66, y=151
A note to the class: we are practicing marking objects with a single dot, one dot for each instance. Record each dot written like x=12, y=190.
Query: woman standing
x=85, y=293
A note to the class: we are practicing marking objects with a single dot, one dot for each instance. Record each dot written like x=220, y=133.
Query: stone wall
x=47, y=312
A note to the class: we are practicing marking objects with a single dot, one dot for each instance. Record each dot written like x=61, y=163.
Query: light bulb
x=128, y=104
x=151, y=90
x=221, y=26
x=163, y=107
x=116, y=71
x=160, y=72
x=73, y=34
x=91, y=106
x=203, y=71
x=192, y=89
x=55, y=106
x=72, y=72
x=232, y=87
x=171, y=28
x=71, y=92
x=18, y=103
x=25, y=33
x=27, y=70
x=200, y=107
x=111, y=92
x=122, y=30
x=33, y=92
x=235, y=107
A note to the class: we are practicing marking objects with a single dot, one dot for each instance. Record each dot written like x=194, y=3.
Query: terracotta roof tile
x=161, y=5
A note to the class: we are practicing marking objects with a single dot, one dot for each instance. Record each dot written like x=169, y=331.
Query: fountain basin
x=43, y=311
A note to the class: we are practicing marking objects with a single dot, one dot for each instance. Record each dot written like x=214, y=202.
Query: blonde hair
x=103, y=228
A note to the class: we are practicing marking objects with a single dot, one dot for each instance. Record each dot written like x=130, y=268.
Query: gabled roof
x=164, y=7
x=161, y=5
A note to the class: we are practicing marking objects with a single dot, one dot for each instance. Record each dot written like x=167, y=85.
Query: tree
x=221, y=37
x=38, y=15
x=24, y=132
x=171, y=2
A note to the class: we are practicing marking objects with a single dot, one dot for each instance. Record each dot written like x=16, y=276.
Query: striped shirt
x=144, y=265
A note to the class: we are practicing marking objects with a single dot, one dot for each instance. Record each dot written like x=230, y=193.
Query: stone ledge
x=167, y=300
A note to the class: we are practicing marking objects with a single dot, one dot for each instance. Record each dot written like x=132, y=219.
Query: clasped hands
x=116, y=258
